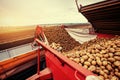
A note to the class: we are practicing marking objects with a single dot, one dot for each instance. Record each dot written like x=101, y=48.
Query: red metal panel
x=100, y=35
x=61, y=70
x=56, y=67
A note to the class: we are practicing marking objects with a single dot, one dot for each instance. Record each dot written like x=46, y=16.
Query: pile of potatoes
x=56, y=46
x=101, y=56
x=59, y=35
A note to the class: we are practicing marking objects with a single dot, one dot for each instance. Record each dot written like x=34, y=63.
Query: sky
x=33, y=12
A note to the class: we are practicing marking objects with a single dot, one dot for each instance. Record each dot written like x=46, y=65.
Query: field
x=11, y=34
x=14, y=36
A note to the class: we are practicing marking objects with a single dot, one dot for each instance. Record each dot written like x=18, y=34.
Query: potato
x=82, y=60
x=87, y=53
x=92, y=68
x=117, y=49
x=98, y=68
x=117, y=58
x=112, y=73
x=93, y=51
x=112, y=50
x=97, y=51
x=97, y=58
x=87, y=63
x=105, y=55
x=104, y=63
x=117, y=63
x=117, y=53
x=114, y=46
x=117, y=74
x=97, y=46
x=102, y=72
x=109, y=42
x=103, y=48
x=90, y=60
x=73, y=55
x=91, y=56
x=71, y=58
x=103, y=51
x=77, y=60
x=103, y=59
x=88, y=50
x=111, y=54
x=111, y=59
x=100, y=55
x=102, y=67
x=85, y=66
x=105, y=76
x=116, y=69
x=109, y=63
x=114, y=78
x=77, y=55
x=109, y=67
x=99, y=62
x=106, y=71
x=93, y=62
x=85, y=57
x=69, y=55
x=101, y=77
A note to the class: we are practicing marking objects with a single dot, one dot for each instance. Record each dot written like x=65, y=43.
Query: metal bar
x=38, y=61
x=76, y=1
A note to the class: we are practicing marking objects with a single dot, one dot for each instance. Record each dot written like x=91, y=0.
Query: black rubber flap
x=104, y=16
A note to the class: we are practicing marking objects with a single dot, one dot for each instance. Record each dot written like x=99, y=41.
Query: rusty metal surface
x=104, y=16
